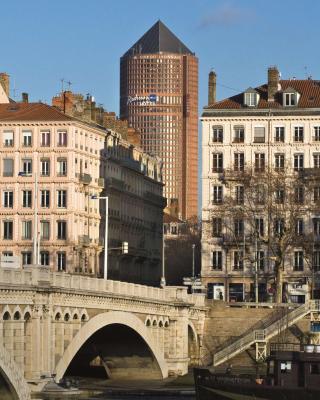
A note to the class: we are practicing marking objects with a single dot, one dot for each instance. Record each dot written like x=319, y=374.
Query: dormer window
x=290, y=97
x=251, y=98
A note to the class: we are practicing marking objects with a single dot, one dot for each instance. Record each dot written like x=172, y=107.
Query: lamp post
x=36, y=239
x=105, y=263
x=163, y=278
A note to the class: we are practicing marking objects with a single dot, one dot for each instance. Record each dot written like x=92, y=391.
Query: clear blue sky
x=43, y=41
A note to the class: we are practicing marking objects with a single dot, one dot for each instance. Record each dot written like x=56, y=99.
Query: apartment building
x=51, y=167
x=268, y=128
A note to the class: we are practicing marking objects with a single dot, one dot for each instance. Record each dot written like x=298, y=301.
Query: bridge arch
x=13, y=376
x=193, y=344
x=101, y=321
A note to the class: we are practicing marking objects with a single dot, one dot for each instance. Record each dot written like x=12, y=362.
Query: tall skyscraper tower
x=159, y=98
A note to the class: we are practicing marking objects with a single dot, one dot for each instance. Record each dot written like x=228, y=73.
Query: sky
x=81, y=41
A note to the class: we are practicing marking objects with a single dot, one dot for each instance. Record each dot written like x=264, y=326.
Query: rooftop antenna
x=62, y=84
x=306, y=71
x=69, y=84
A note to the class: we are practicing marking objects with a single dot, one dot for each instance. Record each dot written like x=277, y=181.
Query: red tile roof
x=31, y=112
x=309, y=90
x=167, y=218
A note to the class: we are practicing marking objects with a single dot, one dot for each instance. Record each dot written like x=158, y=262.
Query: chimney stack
x=25, y=98
x=212, y=88
x=5, y=82
x=273, y=82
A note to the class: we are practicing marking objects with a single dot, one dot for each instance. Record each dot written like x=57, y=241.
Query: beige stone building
x=267, y=127
x=73, y=160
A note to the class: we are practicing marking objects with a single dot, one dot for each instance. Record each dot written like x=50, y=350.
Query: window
x=7, y=230
x=217, y=162
x=279, y=162
x=238, y=260
x=238, y=134
x=217, y=194
x=316, y=226
x=289, y=99
x=26, y=258
x=259, y=134
x=62, y=138
x=26, y=230
x=8, y=199
x=314, y=369
x=8, y=164
x=216, y=227
x=279, y=134
x=61, y=261
x=299, y=195
x=298, y=261
x=299, y=227
x=61, y=230
x=250, y=99
x=8, y=138
x=279, y=196
x=285, y=367
x=62, y=198
x=260, y=260
x=259, y=162
x=316, y=131
x=298, y=134
x=259, y=225
x=316, y=194
x=45, y=167
x=27, y=138
x=27, y=198
x=217, y=134
x=259, y=194
x=238, y=162
x=62, y=167
x=44, y=230
x=45, y=198
x=316, y=260
x=44, y=258
x=279, y=227
x=45, y=138
x=238, y=227
x=217, y=260
x=239, y=194
x=27, y=166
x=298, y=162
x=316, y=160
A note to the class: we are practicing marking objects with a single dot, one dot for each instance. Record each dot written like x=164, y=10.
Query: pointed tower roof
x=158, y=39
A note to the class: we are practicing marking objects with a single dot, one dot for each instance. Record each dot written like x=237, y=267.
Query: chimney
x=273, y=82
x=212, y=88
x=25, y=98
x=5, y=82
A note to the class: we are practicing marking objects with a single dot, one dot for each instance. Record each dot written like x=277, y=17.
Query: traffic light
x=125, y=248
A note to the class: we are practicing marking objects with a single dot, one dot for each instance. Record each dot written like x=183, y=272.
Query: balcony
x=85, y=179
x=156, y=199
x=84, y=240
x=114, y=183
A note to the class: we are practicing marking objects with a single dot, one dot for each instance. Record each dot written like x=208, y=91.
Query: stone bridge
x=55, y=324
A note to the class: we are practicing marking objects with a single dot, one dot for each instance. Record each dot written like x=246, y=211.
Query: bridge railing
x=43, y=277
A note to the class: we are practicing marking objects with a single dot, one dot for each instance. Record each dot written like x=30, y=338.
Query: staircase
x=263, y=331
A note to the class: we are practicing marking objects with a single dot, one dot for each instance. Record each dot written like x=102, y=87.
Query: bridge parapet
x=37, y=276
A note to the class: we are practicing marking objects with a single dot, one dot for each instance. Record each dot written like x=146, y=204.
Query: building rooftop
x=31, y=112
x=308, y=89
x=158, y=39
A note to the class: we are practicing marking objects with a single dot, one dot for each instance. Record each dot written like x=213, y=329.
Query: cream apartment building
x=269, y=126
x=72, y=161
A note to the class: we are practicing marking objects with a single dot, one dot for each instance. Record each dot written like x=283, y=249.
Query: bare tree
x=270, y=209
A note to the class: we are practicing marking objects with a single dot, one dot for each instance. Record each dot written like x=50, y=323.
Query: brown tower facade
x=159, y=98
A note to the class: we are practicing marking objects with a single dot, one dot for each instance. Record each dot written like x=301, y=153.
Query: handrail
x=263, y=330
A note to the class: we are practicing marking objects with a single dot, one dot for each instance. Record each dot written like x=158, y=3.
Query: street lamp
x=163, y=278
x=105, y=264
x=36, y=240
